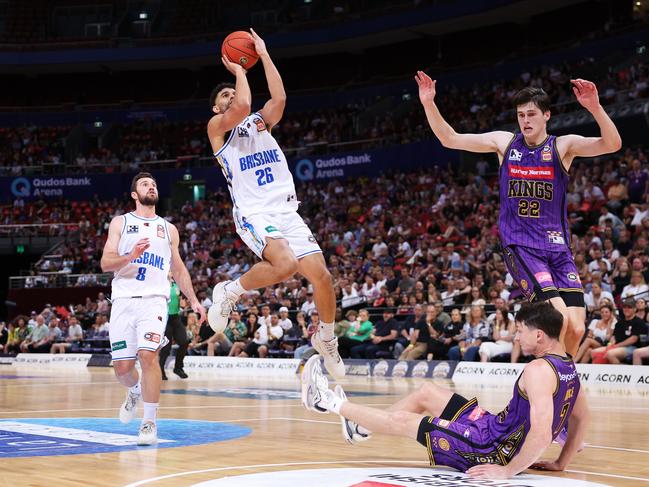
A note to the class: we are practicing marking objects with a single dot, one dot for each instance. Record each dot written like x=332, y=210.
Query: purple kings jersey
x=513, y=422
x=533, y=205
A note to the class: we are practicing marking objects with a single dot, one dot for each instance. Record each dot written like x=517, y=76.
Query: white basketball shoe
x=128, y=410
x=315, y=385
x=222, y=305
x=329, y=351
x=148, y=434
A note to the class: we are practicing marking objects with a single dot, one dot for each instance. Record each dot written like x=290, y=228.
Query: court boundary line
x=342, y=462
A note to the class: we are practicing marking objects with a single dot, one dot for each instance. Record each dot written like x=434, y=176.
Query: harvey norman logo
x=531, y=172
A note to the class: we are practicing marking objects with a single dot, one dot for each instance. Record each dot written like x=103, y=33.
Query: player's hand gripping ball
x=239, y=47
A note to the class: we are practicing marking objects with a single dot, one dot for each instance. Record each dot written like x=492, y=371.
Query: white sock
x=235, y=288
x=136, y=389
x=150, y=411
x=333, y=402
x=326, y=330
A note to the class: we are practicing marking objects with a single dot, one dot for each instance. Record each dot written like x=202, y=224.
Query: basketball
x=239, y=48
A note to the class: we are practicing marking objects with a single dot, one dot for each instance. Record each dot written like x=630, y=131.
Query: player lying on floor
x=457, y=432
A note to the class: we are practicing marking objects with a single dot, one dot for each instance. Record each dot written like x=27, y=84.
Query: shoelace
x=147, y=428
x=227, y=307
x=331, y=348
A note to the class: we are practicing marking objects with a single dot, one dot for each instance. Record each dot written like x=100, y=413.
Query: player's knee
x=323, y=278
x=147, y=359
x=426, y=391
x=123, y=367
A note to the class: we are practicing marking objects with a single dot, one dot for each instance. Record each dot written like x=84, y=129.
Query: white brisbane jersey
x=148, y=274
x=256, y=170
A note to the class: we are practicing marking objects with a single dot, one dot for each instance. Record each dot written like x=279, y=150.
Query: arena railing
x=59, y=280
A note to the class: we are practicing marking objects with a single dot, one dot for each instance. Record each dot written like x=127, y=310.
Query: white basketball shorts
x=254, y=229
x=136, y=324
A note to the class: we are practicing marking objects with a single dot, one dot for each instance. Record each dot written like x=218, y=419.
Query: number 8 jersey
x=148, y=274
x=533, y=190
x=256, y=170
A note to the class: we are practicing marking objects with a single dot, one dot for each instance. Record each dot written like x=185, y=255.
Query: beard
x=147, y=199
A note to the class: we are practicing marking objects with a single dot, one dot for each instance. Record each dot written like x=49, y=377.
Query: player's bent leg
x=576, y=328
x=126, y=372
x=278, y=265
x=151, y=377
x=314, y=268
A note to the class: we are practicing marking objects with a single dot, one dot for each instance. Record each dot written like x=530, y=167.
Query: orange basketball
x=239, y=48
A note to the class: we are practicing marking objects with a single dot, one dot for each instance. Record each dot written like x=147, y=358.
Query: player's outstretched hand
x=489, y=472
x=547, y=465
x=260, y=45
x=426, y=87
x=586, y=93
x=140, y=246
x=198, y=308
x=232, y=67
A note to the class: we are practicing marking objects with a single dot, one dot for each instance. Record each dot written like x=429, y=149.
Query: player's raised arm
x=274, y=108
x=540, y=383
x=237, y=103
x=110, y=259
x=181, y=274
x=579, y=421
x=571, y=146
x=496, y=141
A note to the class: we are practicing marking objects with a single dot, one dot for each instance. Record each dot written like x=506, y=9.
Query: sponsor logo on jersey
x=543, y=277
x=161, y=231
x=556, y=238
x=574, y=277
x=515, y=155
x=152, y=337
x=546, y=154
x=531, y=172
x=444, y=445
x=259, y=122
x=476, y=414
x=524, y=284
x=242, y=132
x=132, y=228
x=118, y=346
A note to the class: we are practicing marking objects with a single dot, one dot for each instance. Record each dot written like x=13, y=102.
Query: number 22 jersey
x=256, y=170
x=533, y=196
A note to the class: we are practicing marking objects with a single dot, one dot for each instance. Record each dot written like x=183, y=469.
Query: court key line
x=342, y=462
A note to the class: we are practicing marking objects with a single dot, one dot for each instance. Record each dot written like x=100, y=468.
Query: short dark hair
x=138, y=176
x=217, y=90
x=535, y=95
x=542, y=316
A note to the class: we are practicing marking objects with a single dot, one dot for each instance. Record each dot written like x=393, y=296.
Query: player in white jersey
x=141, y=250
x=265, y=204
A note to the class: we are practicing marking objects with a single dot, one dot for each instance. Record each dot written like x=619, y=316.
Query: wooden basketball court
x=283, y=435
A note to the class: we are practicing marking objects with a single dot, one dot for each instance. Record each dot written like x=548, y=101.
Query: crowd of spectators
x=424, y=247
x=469, y=109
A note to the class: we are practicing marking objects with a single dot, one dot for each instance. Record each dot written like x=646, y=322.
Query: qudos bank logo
x=304, y=170
x=21, y=187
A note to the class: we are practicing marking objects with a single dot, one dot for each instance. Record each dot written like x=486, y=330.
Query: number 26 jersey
x=256, y=170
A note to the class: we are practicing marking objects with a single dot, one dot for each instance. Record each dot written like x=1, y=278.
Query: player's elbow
x=616, y=145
